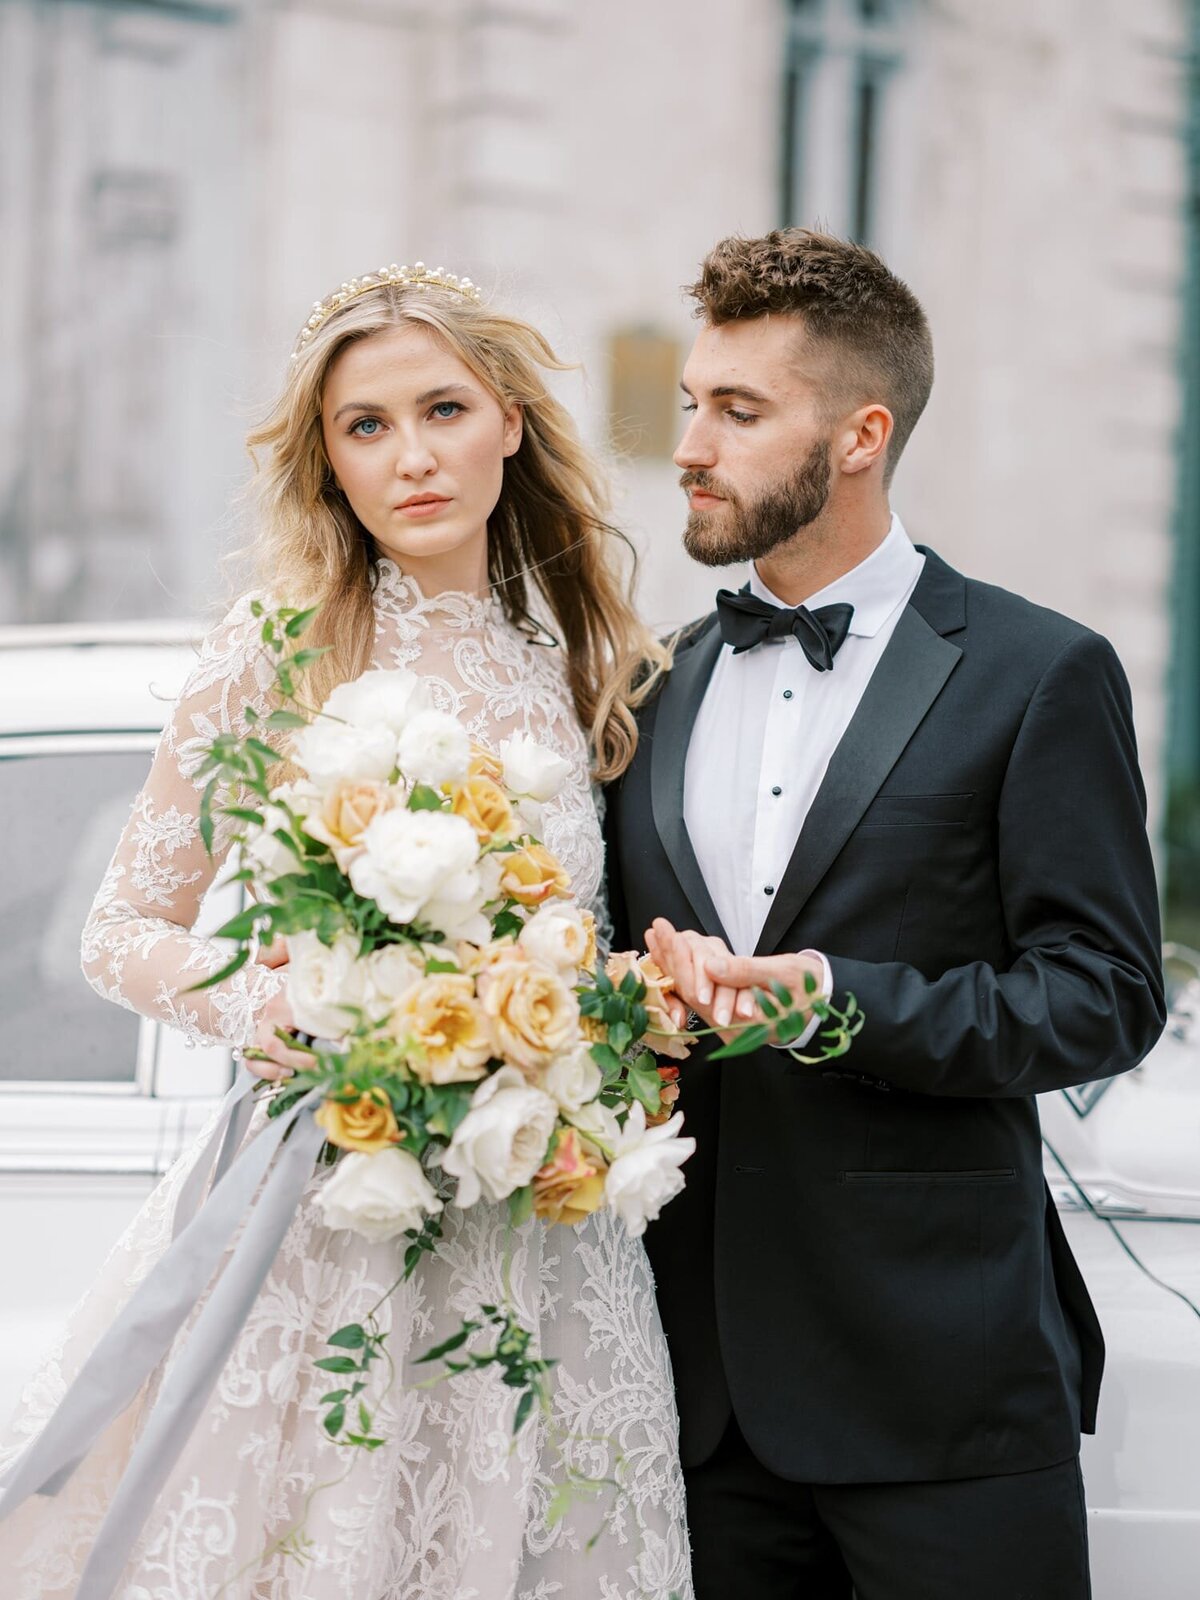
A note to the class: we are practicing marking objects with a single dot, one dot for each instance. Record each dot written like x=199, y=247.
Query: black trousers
x=1021, y=1537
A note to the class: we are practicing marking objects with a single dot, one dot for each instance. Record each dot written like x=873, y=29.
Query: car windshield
x=64, y=812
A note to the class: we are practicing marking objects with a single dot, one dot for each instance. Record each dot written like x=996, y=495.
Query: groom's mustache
x=707, y=484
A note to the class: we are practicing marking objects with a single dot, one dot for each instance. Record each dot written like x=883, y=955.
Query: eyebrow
x=732, y=390
x=427, y=398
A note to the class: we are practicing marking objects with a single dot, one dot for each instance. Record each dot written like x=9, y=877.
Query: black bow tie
x=745, y=621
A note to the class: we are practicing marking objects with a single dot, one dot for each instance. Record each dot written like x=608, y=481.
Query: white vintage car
x=95, y=1102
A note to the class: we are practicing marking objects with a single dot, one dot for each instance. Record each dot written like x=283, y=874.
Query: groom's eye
x=688, y=405
x=742, y=416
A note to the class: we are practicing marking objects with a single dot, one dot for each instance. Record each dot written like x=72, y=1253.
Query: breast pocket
x=918, y=810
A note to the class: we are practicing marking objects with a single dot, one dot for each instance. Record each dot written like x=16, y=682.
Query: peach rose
x=667, y=1096
x=532, y=1012
x=531, y=875
x=568, y=1188
x=441, y=1018
x=658, y=987
x=486, y=807
x=485, y=764
x=367, y=1124
x=345, y=814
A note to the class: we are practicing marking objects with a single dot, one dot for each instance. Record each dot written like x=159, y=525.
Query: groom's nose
x=696, y=448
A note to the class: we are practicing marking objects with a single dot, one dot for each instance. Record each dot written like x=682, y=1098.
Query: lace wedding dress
x=450, y=1508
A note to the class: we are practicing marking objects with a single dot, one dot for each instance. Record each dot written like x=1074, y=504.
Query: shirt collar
x=875, y=587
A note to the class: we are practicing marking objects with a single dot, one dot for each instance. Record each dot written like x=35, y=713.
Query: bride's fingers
x=273, y=955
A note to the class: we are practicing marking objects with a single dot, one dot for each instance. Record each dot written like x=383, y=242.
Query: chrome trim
x=82, y=635
x=108, y=742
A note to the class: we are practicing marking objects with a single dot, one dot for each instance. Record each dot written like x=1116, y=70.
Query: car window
x=63, y=814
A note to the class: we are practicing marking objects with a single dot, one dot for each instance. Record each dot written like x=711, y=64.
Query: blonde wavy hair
x=548, y=535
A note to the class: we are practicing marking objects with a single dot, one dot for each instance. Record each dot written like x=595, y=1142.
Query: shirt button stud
x=770, y=889
x=787, y=694
x=776, y=790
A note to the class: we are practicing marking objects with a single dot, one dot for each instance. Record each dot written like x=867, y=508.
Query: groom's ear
x=514, y=429
x=861, y=441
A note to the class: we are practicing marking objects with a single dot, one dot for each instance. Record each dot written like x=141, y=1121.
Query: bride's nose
x=414, y=458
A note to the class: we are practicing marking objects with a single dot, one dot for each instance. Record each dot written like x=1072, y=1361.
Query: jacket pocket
x=977, y=1175
x=917, y=810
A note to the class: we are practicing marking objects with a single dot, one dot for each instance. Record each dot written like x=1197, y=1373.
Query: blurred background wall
x=180, y=180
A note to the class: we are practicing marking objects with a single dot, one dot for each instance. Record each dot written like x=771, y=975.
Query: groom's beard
x=746, y=532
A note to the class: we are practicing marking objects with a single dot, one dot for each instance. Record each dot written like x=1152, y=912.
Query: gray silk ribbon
x=142, y=1334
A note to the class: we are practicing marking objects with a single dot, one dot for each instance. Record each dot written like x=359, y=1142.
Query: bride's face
x=417, y=445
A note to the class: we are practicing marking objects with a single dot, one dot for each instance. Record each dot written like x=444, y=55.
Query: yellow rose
x=588, y=964
x=486, y=807
x=346, y=813
x=367, y=1124
x=658, y=987
x=569, y=1187
x=441, y=1018
x=485, y=764
x=532, y=875
x=533, y=1014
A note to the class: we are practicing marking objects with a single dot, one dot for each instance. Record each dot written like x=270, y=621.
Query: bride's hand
x=277, y=1013
x=689, y=958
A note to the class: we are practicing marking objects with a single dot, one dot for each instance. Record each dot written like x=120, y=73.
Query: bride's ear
x=514, y=429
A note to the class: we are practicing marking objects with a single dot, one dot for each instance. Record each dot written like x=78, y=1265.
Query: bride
x=418, y=476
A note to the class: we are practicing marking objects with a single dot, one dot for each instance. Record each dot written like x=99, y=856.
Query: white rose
x=556, y=935
x=390, y=972
x=460, y=915
x=435, y=749
x=380, y=699
x=332, y=751
x=502, y=1140
x=410, y=857
x=321, y=980
x=644, y=1173
x=573, y=1080
x=531, y=769
x=597, y=1123
x=378, y=1196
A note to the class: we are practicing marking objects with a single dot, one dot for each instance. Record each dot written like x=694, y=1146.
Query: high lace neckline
x=452, y=608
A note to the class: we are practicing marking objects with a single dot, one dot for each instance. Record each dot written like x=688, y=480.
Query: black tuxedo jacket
x=865, y=1264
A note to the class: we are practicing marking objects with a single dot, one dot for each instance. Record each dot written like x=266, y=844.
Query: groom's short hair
x=853, y=307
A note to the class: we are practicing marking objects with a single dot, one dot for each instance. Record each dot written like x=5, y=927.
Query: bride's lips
x=422, y=505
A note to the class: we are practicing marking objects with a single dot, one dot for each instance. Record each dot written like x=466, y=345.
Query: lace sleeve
x=138, y=948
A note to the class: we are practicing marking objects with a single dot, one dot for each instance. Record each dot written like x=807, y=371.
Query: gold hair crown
x=417, y=277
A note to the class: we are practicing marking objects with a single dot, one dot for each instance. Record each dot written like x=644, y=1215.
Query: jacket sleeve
x=1083, y=998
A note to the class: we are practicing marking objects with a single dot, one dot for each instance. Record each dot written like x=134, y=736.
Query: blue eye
x=445, y=409
x=372, y=424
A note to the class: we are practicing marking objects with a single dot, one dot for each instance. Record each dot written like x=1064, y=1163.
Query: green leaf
x=206, y=821
x=607, y=1059
x=752, y=1039
x=454, y=1342
x=337, y=1363
x=810, y=985
x=243, y=924
x=423, y=798
x=352, y=1337
x=783, y=994
x=364, y=1418
x=524, y=1407
x=333, y=1395
x=256, y=608
x=433, y=965
x=560, y=1503
x=620, y=1036
x=285, y=719
x=305, y=658
x=520, y=1205
x=243, y=814
x=335, y=1421
x=505, y=923
x=646, y=1085
x=296, y=625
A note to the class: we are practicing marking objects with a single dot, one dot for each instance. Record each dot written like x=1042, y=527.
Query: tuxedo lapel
x=674, y=717
x=908, y=679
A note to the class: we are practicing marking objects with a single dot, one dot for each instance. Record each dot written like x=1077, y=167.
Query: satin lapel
x=673, y=719
x=908, y=679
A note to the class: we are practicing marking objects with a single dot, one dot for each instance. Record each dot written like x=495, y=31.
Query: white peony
x=262, y=850
x=644, y=1173
x=573, y=1080
x=531, y=769
x=389, y=973
x=435, y=749
x=331, y=752
x=321, y=980
x=597, y=1123
x=502, y=1140
x=380, y=699
x=378, y=1196
x=557, y=935
x=411, y=857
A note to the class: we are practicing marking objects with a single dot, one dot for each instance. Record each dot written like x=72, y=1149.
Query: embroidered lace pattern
x=449, y=1508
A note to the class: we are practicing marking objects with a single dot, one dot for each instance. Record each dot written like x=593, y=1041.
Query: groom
x=923, y=791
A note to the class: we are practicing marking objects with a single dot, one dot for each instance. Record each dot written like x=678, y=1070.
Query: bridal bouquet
x=464, y=1042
